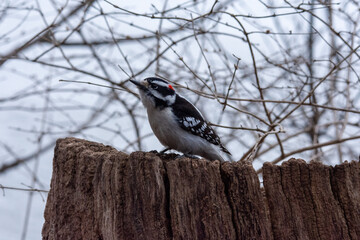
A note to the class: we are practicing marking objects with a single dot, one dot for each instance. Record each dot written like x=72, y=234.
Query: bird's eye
x=154, y=86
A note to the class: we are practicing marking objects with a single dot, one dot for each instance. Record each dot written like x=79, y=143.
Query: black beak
x=139, y=85
x=136, y=83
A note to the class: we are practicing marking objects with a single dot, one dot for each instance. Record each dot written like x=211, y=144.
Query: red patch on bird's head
x=171, y=87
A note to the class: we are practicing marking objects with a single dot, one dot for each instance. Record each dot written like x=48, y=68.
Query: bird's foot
x=165, y=150
x=187, y=156
x=191, y=156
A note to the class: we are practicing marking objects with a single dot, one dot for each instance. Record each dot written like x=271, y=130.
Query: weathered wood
x=100, y=193
x=246, y=200
x=345, y=182
x=197, y=201
x=304, y=200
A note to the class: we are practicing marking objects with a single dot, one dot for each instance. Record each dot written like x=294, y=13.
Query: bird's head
x=155, y=92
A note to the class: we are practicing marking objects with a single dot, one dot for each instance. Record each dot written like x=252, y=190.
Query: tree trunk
x=100, y=193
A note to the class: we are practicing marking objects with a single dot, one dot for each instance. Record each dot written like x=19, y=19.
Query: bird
x=177, y=123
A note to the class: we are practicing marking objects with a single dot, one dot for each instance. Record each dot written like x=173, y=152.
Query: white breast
x=164, y=126
x=170, y=134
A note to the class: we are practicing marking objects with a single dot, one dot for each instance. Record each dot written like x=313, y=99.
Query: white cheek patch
x=156, y=94
x=170, y=99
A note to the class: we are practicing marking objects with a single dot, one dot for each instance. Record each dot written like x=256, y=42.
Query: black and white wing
x=191, y=120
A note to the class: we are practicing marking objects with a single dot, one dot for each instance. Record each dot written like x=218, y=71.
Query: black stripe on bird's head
x=160, y=85
x=161, y=91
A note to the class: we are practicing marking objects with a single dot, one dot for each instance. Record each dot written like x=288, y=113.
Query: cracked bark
x=313, y=201
x=100, y=193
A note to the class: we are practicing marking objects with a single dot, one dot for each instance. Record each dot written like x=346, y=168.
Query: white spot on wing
x=191, y=121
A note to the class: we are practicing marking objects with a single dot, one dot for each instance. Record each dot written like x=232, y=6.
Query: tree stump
x=98, y=192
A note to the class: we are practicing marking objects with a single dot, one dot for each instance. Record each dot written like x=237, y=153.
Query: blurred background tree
x=276, y=80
